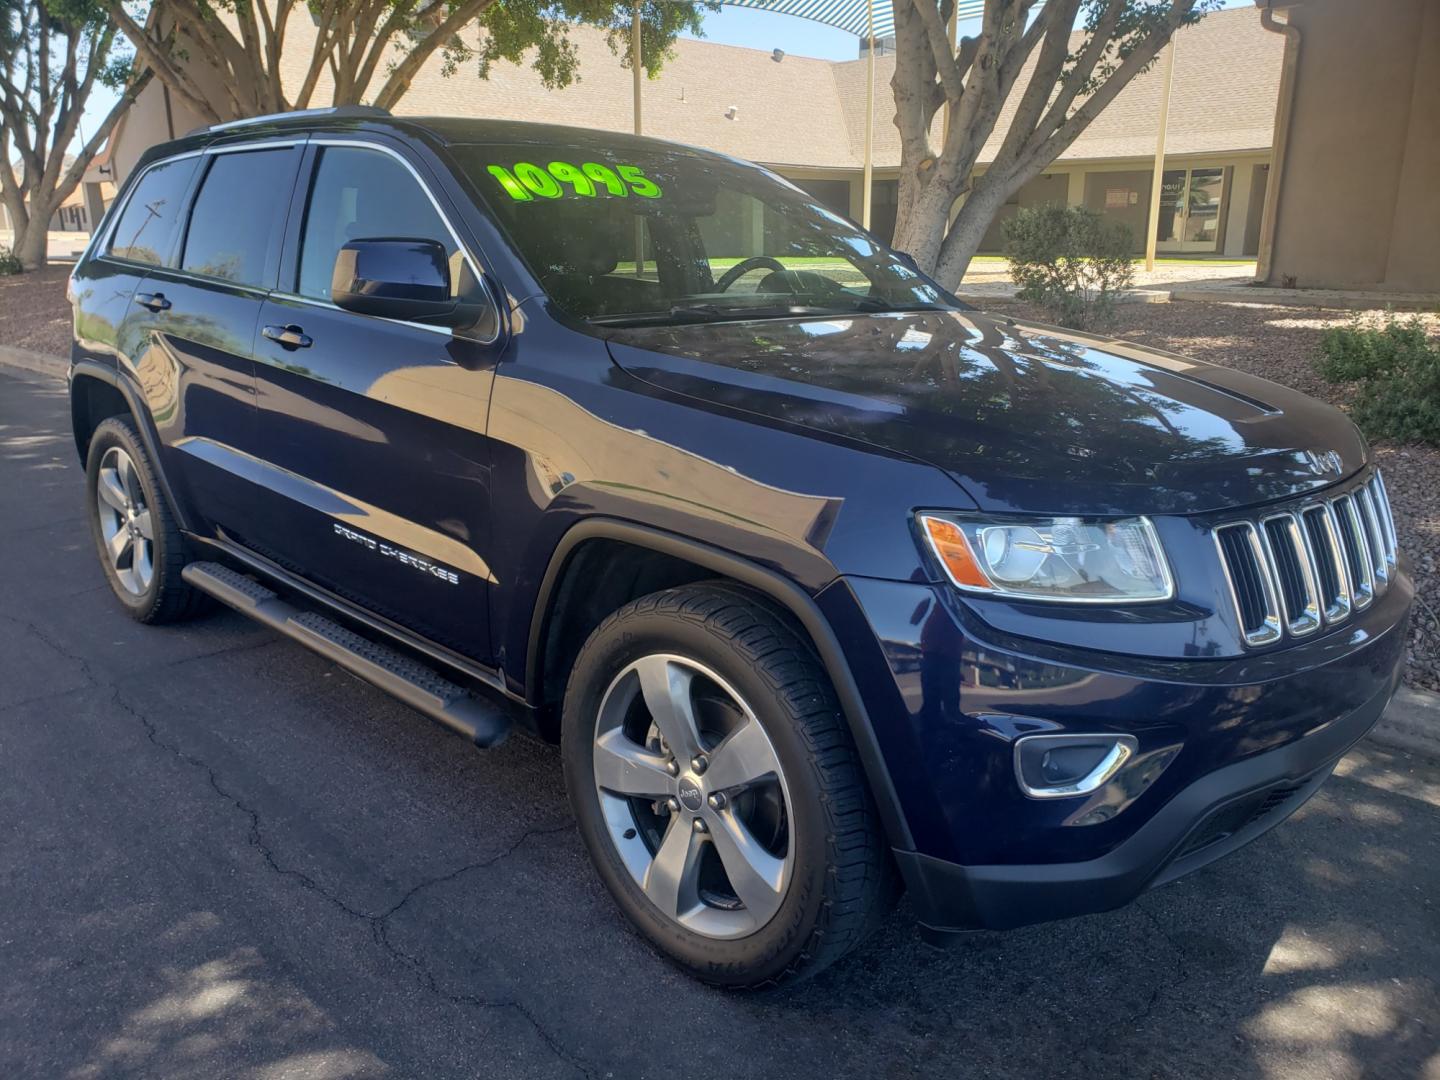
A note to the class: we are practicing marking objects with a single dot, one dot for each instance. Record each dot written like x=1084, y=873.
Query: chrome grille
x=1292, y=572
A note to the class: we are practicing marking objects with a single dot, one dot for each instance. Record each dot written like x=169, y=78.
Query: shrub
x=1395, y=371
x=1070, y=261
x=9, y=263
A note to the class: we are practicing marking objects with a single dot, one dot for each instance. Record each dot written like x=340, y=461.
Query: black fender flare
x=140, y=413
x=778, y=589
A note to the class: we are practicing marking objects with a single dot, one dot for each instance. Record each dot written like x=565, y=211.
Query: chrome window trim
x=308, y=301
x=461, y=246
x=1307, y=621
x=1269, y=630
x=113, y=220
x=100, y=242
x=261, y=144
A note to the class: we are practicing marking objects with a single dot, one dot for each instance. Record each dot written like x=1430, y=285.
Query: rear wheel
x=718, y=791
x=139, y=544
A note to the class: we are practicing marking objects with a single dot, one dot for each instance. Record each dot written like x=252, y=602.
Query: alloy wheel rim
x=126, y=524
x=694, y=797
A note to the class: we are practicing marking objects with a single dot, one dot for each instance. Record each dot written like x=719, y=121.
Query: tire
x=129, y=515
x=804, y=820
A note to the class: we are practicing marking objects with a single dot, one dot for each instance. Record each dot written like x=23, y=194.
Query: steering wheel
x=740, y=269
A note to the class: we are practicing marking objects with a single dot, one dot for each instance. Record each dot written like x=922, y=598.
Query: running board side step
x=424, y=690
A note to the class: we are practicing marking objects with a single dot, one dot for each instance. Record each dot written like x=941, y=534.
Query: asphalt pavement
x=220, y=856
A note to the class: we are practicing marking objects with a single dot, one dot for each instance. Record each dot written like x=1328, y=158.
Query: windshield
x=653, y=235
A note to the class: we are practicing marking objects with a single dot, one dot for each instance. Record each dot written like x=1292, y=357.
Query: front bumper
x=1204, y=822
x=1227, y=748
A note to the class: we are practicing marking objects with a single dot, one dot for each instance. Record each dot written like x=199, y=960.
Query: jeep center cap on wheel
x=690, y=795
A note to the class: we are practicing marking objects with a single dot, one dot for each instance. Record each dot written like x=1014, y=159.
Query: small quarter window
x=146, y=229
x=236, y=214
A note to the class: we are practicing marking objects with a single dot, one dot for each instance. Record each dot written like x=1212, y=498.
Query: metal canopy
x=859, y=17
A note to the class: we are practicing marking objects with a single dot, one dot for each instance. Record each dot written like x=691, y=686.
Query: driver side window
x=361, y=194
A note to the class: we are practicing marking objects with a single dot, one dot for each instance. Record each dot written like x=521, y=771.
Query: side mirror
x=397, y=278
x=908, y=259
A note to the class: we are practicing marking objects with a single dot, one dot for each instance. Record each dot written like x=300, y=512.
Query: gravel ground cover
x=34, y=313
x=1280, y=344
x=1277, y=343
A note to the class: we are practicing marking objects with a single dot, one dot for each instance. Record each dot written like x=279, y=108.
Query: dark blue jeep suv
x=824, y=583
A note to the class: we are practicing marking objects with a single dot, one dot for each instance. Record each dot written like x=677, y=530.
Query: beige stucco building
x=806, y=118
x=1308, y=134
x=1355, y=201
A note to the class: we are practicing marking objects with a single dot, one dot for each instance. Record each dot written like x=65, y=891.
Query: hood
x=1025, y=418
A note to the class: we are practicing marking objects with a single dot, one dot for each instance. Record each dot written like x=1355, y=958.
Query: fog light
x=1057, y=766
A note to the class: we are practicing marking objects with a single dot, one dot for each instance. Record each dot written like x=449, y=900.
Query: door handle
x=152, y=301
x=291, y=336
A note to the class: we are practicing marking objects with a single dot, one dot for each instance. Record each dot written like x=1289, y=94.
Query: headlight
x=1068, y=559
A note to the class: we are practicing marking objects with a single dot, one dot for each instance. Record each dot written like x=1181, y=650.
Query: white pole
x=635, y=77
x=869, y=115
x=635, y=61
x=1159, y=176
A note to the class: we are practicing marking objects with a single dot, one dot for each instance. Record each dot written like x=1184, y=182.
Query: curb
x=33, y=362
x=1303, y=298
x=1411, y=723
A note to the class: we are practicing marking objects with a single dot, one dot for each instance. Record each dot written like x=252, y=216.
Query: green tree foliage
x=53, y=53
x=369, y=51
x=1069, y=260
x=1394, y=370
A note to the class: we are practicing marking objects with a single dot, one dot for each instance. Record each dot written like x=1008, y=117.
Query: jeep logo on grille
x=1324, y=462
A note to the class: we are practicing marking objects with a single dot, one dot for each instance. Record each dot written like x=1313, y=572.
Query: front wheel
x=718, y=791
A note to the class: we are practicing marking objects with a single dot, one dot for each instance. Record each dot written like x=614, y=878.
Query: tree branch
x=405, y=71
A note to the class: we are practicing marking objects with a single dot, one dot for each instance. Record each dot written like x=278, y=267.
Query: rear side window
x=362, y=194
x=236, y=214
x=146, y=229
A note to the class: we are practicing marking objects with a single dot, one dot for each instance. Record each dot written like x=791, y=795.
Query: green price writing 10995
x=525, y=180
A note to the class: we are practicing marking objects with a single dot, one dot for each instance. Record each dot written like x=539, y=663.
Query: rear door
x=373, y=430
x=195, y=318
x=141, y=237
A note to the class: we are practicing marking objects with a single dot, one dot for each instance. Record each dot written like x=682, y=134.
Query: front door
x=373, y=430
x=1191, y=205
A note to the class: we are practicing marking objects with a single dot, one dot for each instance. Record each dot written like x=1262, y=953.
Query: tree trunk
x=922, y=231
x=31, y=241
x=967, y=232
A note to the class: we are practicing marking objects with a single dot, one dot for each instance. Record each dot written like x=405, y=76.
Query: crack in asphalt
x=78, y=659
x=378, y=922
x=1182, y=971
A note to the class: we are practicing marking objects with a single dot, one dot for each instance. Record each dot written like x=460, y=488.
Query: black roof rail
x=337, y=111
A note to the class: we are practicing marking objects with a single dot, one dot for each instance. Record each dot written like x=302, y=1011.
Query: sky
x=728, y=26
x=800, y=37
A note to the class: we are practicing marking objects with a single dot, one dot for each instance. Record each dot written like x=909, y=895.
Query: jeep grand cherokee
x=824, y=583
